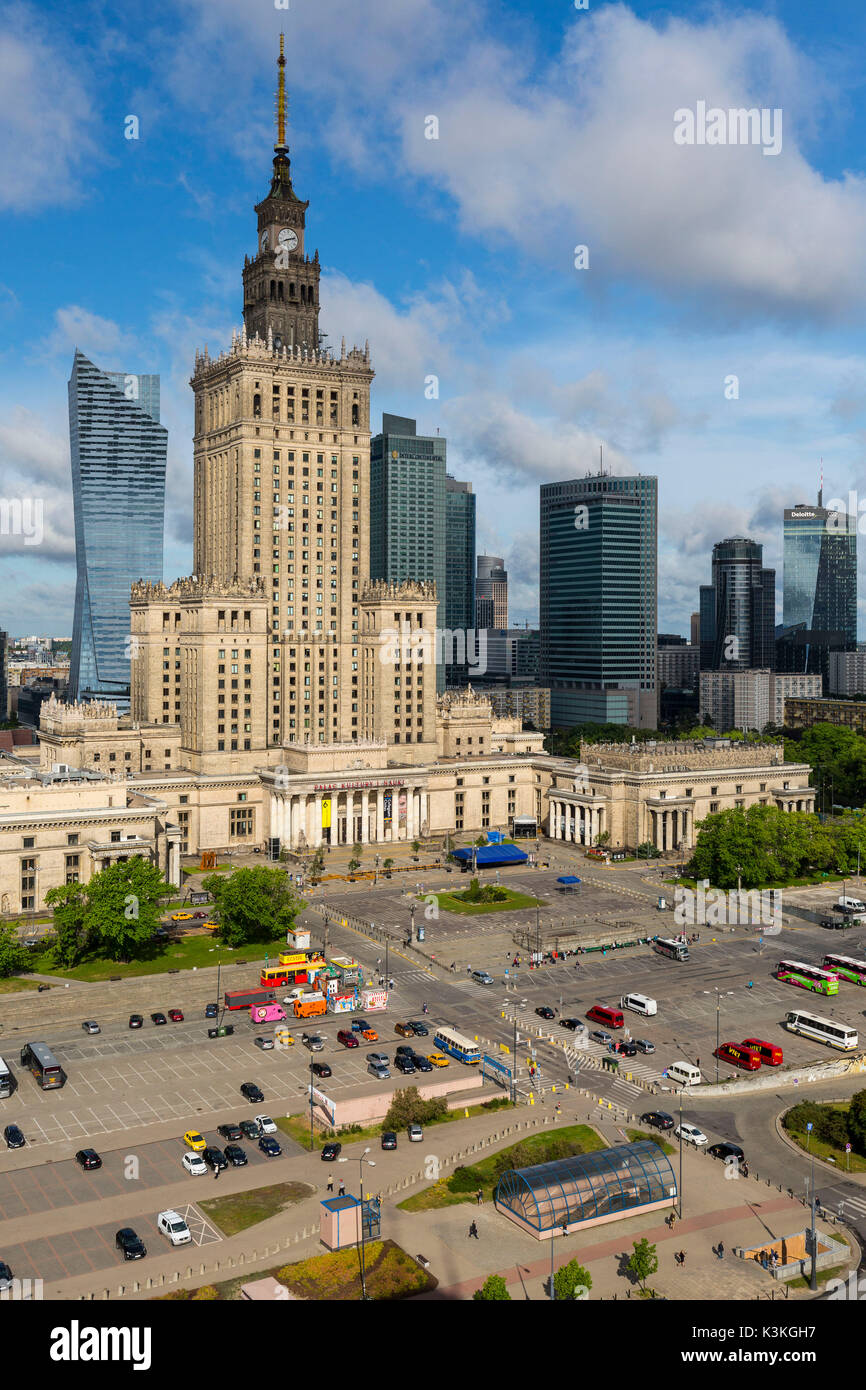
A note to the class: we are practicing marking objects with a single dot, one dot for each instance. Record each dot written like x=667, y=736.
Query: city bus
x=457, y=1045
x=43, y=1064
x=825, y=1030
x=853, y=970
x=674, y=950
x=7, y=1080
x=795, y=972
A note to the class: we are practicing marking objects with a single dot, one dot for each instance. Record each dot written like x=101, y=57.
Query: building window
x=72, y=839
x=29, y=842
x=714, y=806
x=241, y=822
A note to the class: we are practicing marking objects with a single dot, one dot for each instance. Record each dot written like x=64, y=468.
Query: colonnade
x=371, y=815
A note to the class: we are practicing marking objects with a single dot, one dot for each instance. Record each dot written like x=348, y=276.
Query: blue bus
x=457, y=1045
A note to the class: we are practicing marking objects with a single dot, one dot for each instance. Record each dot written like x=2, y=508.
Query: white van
x=639, y=1004
x=684, y=1073
x=852, y=904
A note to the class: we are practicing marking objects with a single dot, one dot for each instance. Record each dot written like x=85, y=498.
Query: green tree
x=408, y=1107
x=123, y=907
x=644, y=1262
x=493, y=1290
x=416, y=845
x=255, y=904
x=353, y=865
x=570, y=1278
x=71, y=933
x=647, y=850
x=388, y=864
x=13, y=956
x=857, y=1121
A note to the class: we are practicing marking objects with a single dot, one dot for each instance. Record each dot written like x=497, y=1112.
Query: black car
x=214, y=1158
x=269, y=1146
x=158, y=1018
x=5, y=1276
x=389, y=1139
x=405, y=1065
x=88, y=1158
x=627, y=1049
x=331, y=1152
x=727, y=1150
x=545, y=1012
x=251, y=1092
x=14, y=1138
x=231, y=1132
x=135, y=1020
x=421, y=1029
x=420, y=1062
x=321, y=1069
x=235, y=1155
x=133, y=1246
x=659, y=1119
x=210, y=1010
x=249, y=1129
x=572, y=1023
x=404, y=1051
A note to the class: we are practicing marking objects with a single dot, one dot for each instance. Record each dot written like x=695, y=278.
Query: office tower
x=118, y=450
x=491, y=592
x=819, y=612
x=738, y=609
x=459, y=570
x=739, y=699
x=598, y=599
x=407, y=510
x=4, y=693
x=695, y=629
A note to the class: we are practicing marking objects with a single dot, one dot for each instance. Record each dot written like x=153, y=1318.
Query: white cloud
x=98, y=338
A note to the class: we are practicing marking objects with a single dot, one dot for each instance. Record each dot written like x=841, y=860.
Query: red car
x=199, y=915
x=176, y=1015
x=346, y=1038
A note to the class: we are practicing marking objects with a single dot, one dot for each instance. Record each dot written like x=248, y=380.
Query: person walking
x=342, y=1191
x=473, y=1231
x=331, y=1182
x=682, y=1259
x=216, y=1173
x=720, y=1250
x=479, y=1196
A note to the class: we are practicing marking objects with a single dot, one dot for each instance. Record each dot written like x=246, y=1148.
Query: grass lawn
x=298, y=1126
x=462, y=1185
x=636, y=1135
x=333, y=1277
x=12, y=984
x=244, y=1209
x=821, y=1277
x=846, y=1163
x=447, y=902
x=162, y=955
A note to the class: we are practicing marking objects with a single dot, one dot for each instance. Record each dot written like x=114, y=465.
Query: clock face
x=263, y=241
x=288, y=238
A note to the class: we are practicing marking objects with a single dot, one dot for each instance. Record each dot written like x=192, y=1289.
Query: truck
x=267, y=1013
x=312, y=1006
x=243, y=998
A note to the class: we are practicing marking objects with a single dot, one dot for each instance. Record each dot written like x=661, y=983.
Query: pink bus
x=267, y=1013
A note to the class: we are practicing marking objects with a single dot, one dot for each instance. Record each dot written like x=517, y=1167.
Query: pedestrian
x=698, y=1063
x=331, y=1183
x=473, y=1230
x=216, y=1173
x=342, y=1191
x=720, y=1250
x=453, y=965
x=558, y=1111
x=682, y=1259
x=479, y=1197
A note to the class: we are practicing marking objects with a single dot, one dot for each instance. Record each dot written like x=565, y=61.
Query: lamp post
x=718, y=1025
x=813, y=1275
x=311, y=1102
x=412, y=921
x=372, y=1164
x=537, y=931
x=680, y=1184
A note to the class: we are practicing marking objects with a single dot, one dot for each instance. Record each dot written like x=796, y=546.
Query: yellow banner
x=326, y=813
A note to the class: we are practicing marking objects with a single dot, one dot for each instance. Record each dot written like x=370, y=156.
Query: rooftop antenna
x=821, y=486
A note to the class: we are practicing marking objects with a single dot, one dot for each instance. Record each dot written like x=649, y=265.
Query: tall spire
x=281, y=147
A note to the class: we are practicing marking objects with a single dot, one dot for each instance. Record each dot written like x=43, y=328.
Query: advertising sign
x=293, y=958
x=324, y=1102
x=386, y=808
x=401, y=802
x=326, y=813
x=198, y=898
x=373, y=1000
x=341, y=1003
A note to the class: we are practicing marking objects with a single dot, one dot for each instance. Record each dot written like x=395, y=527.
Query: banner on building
x=386, y=808
x=402, y=807
x=326, y=813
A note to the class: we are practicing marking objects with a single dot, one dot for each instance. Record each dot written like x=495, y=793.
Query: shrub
x=205, y=1293
x=493, y=1290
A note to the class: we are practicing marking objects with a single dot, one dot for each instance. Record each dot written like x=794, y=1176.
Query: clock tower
x=281, y=283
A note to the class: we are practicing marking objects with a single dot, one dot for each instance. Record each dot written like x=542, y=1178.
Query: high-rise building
x=4, y=693
x=695, y=629
x=819, y=588
x=459, y=570
x=407, y=510
x=748, y=700
x=491, y=592
x=738, y=609
x=118, y=451
x=598, y=599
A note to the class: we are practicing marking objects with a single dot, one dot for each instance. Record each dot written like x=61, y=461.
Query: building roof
x=587, y=1187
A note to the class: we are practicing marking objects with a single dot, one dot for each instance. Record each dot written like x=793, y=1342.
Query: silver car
x=482, y=977
x=313, y=1042
x=264, y=1043
x=378, y=1059
x=381, y=1073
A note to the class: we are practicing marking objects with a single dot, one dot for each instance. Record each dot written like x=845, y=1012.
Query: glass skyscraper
x=738, y=609
x=598, y=599
x=118, y=451
x=459, y=568
x=820, y=574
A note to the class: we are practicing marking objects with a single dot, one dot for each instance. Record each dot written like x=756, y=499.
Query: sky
x=711, y=332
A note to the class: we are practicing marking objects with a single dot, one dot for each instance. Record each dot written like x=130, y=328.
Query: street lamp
x=311, y=1102
x=371, y=1164
x=680, y=1185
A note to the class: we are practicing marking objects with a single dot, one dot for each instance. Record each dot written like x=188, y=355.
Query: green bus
x=795, y=972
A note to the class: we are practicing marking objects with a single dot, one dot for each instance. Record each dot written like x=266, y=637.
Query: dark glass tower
x=118, y=449
x=820, y=574
x=598, y=598
x=738, y=609
x=459, y=569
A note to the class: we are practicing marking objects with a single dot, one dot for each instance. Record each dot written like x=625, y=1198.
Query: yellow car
x=181, y=916
x=437, y=1059
x=194, y=1140
x=211, y=926
x=283, y=1038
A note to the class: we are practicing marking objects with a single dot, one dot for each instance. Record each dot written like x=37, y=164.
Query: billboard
x=326, y=813
x=341, y=1003
x=373, y=1000
x=386, y=808
x=324, y=1102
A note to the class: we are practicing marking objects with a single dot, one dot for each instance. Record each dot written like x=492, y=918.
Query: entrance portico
x=574, y=817
x=347, y=813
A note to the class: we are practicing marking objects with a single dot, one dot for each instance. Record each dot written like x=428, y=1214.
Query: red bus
x=738, y=1056
x=770, y=1055
x=243, y=998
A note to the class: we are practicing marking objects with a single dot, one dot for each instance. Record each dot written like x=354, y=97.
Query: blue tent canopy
x=568, y=878
x=488, y=856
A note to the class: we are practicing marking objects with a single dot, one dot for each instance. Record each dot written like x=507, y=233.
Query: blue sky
x=454, y=256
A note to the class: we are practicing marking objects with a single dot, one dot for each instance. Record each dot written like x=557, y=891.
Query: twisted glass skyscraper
x=118, y=450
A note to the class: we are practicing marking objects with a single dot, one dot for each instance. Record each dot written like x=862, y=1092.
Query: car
x=88, y=1158
x=403, y=1030
x=421, y=1062
x=574, y=1024
x=380, y=1058
x=230, y=1132
x=347, y=1039
x=135, y=1021
x=331, y=1152
x=381, y=1073
x=644, y=1045
x=176, y=1015
x=370, y=1035
x=269, y=1146
x=600, y=1036
x=404, y=1050
x=194, y=1164
x=283, y=1038
x=321, y=1069
x=161, y=932
x=235, y=1156
x=421, y=1029
x=14, y=1138
x=194, y=1140
x=133, y=1246
x=416, y=1133
x=626, y=1048
x=266, y=1044
x=659, y=1119
x=438, y=1059
x=157, y=1019
x=359, y=1025
x=545, y=1012
x=214, y=1158
x=389, y=1139
x=249, y=1129
x=181, y=916
x=91, y=1026
x=727, y=1151
x=172, y=1225
x=211, y=1010
x=690, y=1134
x=405, y=1065
x=251, y=1092
x=199, y=916
x=313, y=1042
x=5, y=1277
x=482, y=977
x=266, y=1124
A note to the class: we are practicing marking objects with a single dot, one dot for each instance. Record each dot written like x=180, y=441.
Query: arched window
x=291, y=289
x=354, y=415
x=280, y=291
x=257, y=406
